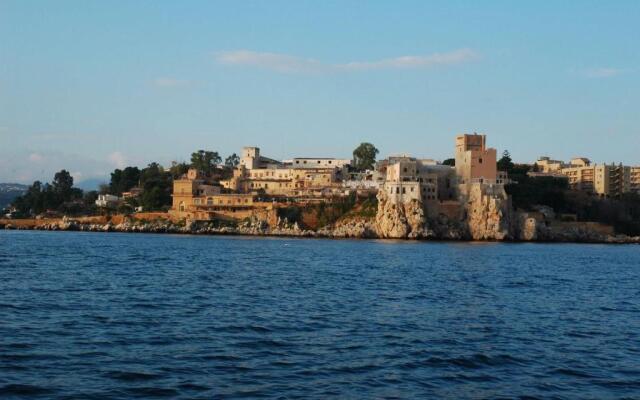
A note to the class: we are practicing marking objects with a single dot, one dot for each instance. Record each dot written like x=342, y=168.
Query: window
x=404, y=190
x=480, y=160
x=209, y=201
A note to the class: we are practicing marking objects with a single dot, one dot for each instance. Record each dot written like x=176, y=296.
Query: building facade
x=475, y=163
x=408, y=179
x=600, y=179
x=634, y=179
x=299, y=177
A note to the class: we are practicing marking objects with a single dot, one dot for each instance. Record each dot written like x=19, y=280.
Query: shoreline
x=155, y=228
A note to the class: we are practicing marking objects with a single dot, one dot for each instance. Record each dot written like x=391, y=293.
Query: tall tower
x=250, y=157
x=474, y=162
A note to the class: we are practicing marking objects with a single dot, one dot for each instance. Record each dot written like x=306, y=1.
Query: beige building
x=549, y=166
x=300, y=177
x=634, y=179
x=409, y=179
x=604, y=180
x=303, y=162
x=601, y=179
x=475, y=163
x=194, y=199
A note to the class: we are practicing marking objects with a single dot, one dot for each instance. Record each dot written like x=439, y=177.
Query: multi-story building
x=549, y=166
x=409, y=179
x=299, y=177
x=475, y=163
x=634, y=179
x=303, y=162
x=193, y=198
x=601, y=179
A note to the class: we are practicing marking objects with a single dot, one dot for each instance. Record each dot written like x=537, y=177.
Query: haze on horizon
x=91, y=86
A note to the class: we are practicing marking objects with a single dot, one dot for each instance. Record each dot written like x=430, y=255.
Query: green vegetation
x=364, y=156
x=505, y=163
x=156, y=184
x=622, y=213
x=292, y=214
x=124, y=180
x=232, y=161
x=367, y=208
x=178, y=169
x=449, y=161
x=205, y=161
x=329, y=212
x=59, y=195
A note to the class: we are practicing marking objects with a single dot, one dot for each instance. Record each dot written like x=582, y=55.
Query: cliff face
x=402, y=220
x=489, y=214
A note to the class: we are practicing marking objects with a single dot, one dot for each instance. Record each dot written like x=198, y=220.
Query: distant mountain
x=9, y=191
x=91, y=184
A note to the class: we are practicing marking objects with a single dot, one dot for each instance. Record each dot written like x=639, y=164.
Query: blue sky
x=94, y=85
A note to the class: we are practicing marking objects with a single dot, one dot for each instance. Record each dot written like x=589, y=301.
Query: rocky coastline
x=528, y=230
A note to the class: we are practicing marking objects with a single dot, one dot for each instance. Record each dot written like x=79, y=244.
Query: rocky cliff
x=489, y=214
x=401, y=220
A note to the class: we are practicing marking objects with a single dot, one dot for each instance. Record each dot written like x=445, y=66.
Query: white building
x=107, y=200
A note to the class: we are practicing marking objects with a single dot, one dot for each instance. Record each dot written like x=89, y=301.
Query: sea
x=123, y=316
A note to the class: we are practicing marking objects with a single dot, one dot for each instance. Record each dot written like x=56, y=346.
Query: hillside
x=9, y=191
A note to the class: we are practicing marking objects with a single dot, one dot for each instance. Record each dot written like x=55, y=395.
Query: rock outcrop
x=488, y=213
x=400, y=220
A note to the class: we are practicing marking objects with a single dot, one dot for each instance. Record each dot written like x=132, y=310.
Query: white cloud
x=288, y=63
x=602, y=72
x=117, y=159
x=36, y=157
x=77, y=176
x=165, y=82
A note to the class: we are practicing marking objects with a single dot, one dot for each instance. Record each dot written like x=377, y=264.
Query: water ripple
x=121, y=316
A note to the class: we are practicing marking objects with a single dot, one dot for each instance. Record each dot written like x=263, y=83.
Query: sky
x=90, y=85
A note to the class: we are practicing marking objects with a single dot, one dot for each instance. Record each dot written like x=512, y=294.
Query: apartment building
x=601, y=179
x=634, y=179
x=548, y=166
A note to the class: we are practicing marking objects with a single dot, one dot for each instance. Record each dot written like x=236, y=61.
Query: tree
x=505, y=163
x=62, y=184
x=364, y=156
x=156, y=184
x=124, y=180
x=232, y=161
x=205, y=161
x=449, y=161
x=41, y=197
x=178, y=169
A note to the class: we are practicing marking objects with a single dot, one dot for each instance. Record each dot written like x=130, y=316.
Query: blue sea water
x=120, y=316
